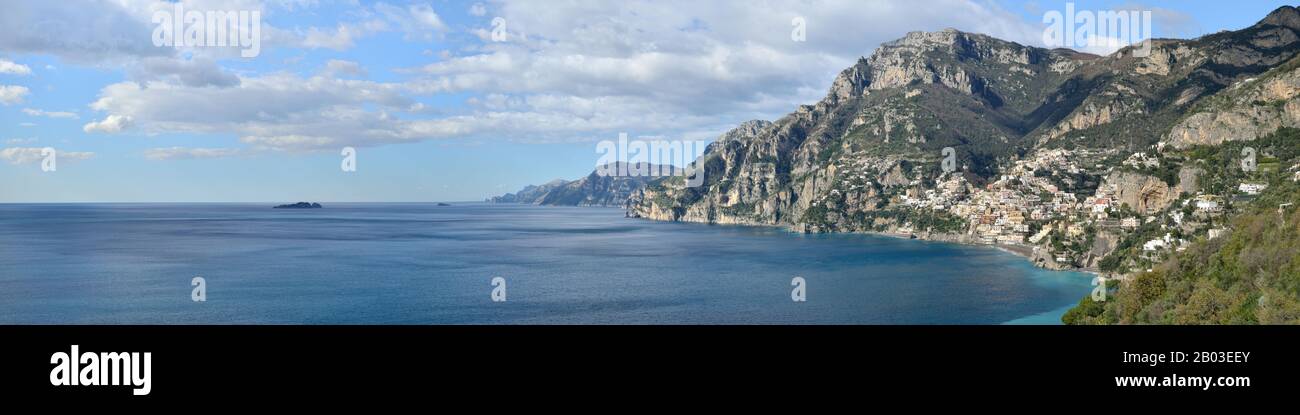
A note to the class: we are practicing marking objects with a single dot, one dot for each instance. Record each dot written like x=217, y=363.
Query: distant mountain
x=592, y=190
x=530, y=194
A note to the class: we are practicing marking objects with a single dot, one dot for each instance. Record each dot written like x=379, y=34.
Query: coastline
x=1028, y=252
x=1024, y=251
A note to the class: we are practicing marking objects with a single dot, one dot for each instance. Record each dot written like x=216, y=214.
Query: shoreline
x=1024, y=251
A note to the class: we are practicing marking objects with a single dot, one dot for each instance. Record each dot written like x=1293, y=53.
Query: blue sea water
x=427, y=264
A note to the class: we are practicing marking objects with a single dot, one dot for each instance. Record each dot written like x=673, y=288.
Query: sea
x=479, y=263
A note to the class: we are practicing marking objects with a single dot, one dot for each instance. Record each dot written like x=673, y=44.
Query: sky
x=440, y=100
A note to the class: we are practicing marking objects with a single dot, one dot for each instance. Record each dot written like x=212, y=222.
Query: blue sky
x=437, y=110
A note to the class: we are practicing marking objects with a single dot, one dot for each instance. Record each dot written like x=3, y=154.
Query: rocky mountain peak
x=1285, y=16
x=951, y=57
x=745, y=130
x=851, y=81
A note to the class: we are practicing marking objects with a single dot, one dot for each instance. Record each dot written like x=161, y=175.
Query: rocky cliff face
x=1133, y=102
x=1142, y=193
x=1252, y=109
x=831, y=165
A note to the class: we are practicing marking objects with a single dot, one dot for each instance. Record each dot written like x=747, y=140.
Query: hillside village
x=1063, y=228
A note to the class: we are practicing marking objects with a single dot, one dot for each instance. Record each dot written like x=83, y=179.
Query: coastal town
x=1044, y=207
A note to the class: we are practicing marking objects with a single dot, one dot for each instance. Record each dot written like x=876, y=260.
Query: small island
x=443, y=204
x=300, y=205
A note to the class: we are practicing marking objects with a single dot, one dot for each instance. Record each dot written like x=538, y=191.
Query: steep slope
x=1132, y=102
x=1251, y=276
x=833, y=164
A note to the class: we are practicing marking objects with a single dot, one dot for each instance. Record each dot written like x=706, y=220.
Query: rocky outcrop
x=299, y=205
x=1142, y=193
x=1254, y=108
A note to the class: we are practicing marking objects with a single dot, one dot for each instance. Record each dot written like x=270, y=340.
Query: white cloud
x=200, y=71
x=416, y=21
x=10, y=68
x=478, y=9
x=571, y=71
x=183, y=153
x=338, y=67
x=111, y=124
x=275, y=105
x=12, y=94
x=15, y=141
x=342, y=37
x=79, y=32
x=118, y=34
x=698, y=65
x=51, y=114
x=289, y=142
x=118, y=31
x=24, y=155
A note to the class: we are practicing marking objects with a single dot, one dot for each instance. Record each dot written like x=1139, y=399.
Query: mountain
x=911, y=99
x=840, y=164
x=592, y=190
x=1117, y=164
x=530, y=194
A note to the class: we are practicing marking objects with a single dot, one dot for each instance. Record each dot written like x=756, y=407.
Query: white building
x=1207, y=205
x=1129, y=223
x=1252, y=188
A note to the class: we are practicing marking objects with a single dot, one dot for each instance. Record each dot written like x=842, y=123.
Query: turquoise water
x=425, y=264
